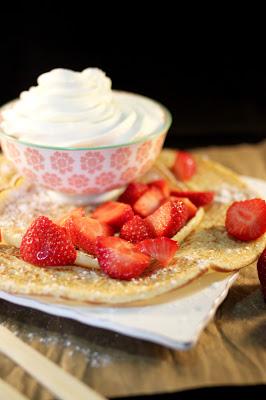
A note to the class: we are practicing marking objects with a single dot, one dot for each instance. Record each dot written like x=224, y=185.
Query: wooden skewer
x=8, y=392
x=62, y=384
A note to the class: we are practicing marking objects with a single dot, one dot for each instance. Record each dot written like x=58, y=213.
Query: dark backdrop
x=214, y=87
x=212, y=80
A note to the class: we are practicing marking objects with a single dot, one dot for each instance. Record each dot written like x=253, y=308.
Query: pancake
x=210, y=175
x=205, y=245
x=8, y=174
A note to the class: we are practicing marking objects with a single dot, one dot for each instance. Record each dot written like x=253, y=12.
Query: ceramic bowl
x=85, y=171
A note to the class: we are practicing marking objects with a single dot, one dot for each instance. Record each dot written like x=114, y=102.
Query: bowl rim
x=167, y=123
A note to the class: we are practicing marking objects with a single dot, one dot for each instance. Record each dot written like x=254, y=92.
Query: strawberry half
x=185, y=166
x=200, y=199
x=246, y=220
x=192, y=209
x=113, y=213
x=120, y=259
x=161, y=249
x=84, y=232
x=162, y=185
x=47, y=244
x=136, y=229
x=133, y=191
x=168, y=219
x=148, y=202
x=261, y=267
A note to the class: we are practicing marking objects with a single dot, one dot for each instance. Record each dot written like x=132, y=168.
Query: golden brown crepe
x=205, y=244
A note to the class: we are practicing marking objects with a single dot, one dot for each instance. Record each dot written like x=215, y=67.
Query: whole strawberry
x=47, y=244
x=261, y=266
x=185, y=166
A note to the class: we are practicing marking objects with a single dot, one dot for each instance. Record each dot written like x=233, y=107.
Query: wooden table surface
x=231, y=350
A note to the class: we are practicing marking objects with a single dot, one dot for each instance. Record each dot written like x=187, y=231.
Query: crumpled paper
x=231, y=350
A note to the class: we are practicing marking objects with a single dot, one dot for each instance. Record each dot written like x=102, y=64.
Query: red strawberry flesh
x=148, y=202
x=136, y=229
x=261, y=267
x=133, y=191
x=246, y=220
x=192, y=209
x=161, y=249
x=84, y=232
x=47, y=244
x=168, y=219
x=113, y=213
x=162, y=185
x=120, y=259
x=185, y=166
x=77, y=212
x=200, y=199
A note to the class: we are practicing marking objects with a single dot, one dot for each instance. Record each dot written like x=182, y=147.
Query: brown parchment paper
x=231, y=350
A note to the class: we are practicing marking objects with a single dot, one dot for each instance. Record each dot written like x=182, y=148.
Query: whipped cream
x=79, y=109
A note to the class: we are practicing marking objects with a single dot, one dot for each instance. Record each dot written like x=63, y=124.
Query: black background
x=213, y=83
x=210, y=76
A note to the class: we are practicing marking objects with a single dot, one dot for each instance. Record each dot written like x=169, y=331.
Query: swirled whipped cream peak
x=80, y=109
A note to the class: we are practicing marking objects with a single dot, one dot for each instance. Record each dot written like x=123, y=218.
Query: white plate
x=175, y=319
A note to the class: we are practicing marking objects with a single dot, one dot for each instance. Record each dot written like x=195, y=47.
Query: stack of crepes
x=204, y=243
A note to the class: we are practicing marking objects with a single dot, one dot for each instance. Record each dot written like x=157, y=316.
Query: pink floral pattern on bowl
x=29, y=174
x=90, y=190
x=143, y=151
x=105, y=179
x=51, y=180
x=62, y=162
x=92, y=161
x=121, y=158
x=78, y=181
x=34, y=158
x=83, y=171
x=129, y=174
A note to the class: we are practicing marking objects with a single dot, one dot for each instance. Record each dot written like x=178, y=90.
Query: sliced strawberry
x=162, y=185
x=77, y=212
x=113, y=213
x=161, y=249
x=261, y=267
x=136, y=229
x=120, y=259
x=192, y=209
x=47, y=244
x=246, y=220
x=67, y=223
x=84, y=232
x=168, y=219
x=185, y=166
x=148, y=202
x=133, y=192
x=200, y=199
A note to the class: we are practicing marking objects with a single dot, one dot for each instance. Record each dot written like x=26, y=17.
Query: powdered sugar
x=200, y=263
x=228, y=193
x=71, y=346
x=27, y=202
